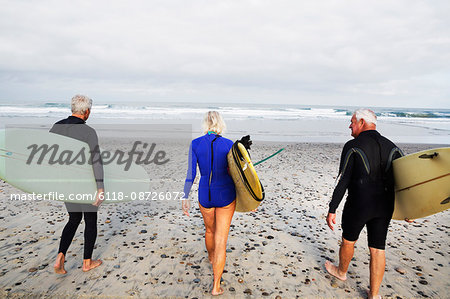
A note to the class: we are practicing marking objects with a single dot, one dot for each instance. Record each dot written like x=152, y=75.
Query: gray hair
x=213, y=121
x=368, y=115
x=80, y=104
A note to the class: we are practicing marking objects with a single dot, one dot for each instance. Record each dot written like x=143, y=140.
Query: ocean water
x=282, y=123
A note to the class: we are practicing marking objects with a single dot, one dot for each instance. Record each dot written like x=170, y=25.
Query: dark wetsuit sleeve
x=96, y=160
x=398, y=153
x=191, y=172
x=345, y=175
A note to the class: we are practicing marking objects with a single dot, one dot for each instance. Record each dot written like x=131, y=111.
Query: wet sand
x=150, y=249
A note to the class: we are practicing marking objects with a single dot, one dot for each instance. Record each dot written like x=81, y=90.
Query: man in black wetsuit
x=75, y=127
x=366, y=172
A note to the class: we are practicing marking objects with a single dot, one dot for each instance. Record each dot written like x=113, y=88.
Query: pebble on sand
x=400, y=270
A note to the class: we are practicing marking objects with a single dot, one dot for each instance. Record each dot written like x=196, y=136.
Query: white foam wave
x=230, y=112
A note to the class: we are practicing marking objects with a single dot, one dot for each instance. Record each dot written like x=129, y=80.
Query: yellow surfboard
x=422, y=184
x=249, y=190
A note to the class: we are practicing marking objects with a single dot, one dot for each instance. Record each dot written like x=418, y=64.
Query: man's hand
x=331, y=219
x=186, y=205
x=99, y=198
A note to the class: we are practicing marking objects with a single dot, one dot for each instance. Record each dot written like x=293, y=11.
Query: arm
x=191, y=173
x=343, y=180
x=96, y=160
x=97, y=166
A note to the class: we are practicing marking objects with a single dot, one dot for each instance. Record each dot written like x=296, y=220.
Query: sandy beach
x=151, y=250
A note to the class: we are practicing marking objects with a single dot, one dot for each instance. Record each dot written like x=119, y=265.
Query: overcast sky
x=363, y=53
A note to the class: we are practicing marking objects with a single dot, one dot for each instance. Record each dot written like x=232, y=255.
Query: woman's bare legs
x=223, y=217
x=210, y=224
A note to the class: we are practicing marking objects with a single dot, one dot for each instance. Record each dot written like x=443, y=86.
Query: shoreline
x=307, y=130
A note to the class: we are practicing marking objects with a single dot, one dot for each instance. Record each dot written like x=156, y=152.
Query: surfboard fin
x=428, y=156
x=445, y=201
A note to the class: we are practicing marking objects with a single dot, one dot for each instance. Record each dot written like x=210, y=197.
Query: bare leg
x=59, y=264
x=377, y=265
x=89, y=264
x=210, y=225
x=223, y=221
x=345, y=256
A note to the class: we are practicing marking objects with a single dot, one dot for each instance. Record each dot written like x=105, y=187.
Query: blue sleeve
x=191, y=172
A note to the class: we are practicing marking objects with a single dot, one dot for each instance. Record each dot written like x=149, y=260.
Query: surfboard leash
x=265, y=159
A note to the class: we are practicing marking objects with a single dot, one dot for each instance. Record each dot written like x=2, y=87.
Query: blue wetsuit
x=216, y=187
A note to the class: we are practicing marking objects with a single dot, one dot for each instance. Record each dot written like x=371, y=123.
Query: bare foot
x=59, y=264
x=90, y=264
x=217, y=293
x=373, y=296
x=333, y=270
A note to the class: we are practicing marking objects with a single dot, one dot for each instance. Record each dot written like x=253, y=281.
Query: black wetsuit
x=366, y=171
x=76, y=128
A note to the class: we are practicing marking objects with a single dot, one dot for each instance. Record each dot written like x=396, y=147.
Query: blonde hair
x=80, y=104
x=213, y=121
x=368, y=115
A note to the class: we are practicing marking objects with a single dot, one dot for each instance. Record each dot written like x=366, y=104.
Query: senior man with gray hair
x=366, y=172
x=75, y=127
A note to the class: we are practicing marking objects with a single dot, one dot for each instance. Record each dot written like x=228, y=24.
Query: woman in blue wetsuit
x=216, y=192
